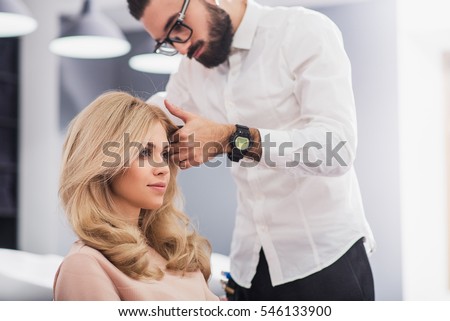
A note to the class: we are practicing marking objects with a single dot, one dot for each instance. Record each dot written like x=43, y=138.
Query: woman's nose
x=161, y=167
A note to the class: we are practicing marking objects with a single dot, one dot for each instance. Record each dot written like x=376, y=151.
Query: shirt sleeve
x=81, y=278
x=178, y=91
x=325, y=141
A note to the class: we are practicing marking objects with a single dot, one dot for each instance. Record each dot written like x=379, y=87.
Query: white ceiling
x=306, y=3
x=117, y=9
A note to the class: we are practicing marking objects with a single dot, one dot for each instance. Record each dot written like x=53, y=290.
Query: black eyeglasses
x=179, y=33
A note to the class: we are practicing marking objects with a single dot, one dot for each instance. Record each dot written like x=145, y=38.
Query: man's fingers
x=184, y=164
x=178, y=154
x=182, y=147
x=185, y=159
x=177, y=112
x=188, y=163
x=177, y=158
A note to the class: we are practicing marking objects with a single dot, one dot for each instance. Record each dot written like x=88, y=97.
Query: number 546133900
x=295, y=311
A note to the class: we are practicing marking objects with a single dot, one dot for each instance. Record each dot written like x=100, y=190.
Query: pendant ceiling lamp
x=155, y=63
x=15, y=19
x=91, y=35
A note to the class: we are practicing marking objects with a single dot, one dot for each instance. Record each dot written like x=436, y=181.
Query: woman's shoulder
x=79, y=247
x=83, y=275
x=83, y=256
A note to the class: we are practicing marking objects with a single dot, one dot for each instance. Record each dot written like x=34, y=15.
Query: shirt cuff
x=277, y=148
x=305, y=152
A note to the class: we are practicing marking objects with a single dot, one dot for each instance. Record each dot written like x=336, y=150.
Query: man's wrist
x=255, y=151
x=226, y=131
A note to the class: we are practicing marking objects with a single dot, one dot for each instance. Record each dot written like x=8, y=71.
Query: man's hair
x=137, y=7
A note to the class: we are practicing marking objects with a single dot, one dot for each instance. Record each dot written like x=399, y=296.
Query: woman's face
x=144, y=183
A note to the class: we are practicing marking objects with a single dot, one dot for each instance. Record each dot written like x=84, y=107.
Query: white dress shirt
x=289, y=76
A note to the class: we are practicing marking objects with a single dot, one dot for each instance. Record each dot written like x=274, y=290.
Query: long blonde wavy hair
x=87, y=171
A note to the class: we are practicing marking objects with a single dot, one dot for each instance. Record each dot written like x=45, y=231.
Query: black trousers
x=348, y=279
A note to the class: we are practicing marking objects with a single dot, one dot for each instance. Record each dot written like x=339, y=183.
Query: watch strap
x=236, y=154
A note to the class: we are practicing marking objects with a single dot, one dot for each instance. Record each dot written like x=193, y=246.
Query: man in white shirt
x=271, y=87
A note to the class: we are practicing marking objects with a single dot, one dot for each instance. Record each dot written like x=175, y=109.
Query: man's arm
x=201, y=139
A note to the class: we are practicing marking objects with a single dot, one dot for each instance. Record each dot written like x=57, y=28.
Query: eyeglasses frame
x=167, y=40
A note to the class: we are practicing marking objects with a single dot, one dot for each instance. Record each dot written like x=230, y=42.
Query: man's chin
x=209, y=62
x=208, y=65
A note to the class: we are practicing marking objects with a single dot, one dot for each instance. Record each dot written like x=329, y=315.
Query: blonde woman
x=118, y=190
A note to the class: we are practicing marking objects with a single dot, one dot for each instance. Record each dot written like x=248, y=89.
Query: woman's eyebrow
x=165, y=145
x=150, y=146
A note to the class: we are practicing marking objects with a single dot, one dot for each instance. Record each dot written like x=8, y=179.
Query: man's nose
x=182, y=48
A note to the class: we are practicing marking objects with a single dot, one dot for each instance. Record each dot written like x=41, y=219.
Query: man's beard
x=220, y=38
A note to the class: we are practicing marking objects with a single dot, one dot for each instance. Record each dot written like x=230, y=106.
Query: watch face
x=242, y=143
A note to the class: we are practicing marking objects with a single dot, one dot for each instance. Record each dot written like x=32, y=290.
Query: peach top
x=86, y=275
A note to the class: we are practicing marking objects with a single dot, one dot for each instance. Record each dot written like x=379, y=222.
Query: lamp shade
x=155, y=63
x=91, y=35
x=15, y=19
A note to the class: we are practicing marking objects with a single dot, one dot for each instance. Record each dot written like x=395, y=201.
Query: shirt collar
x=245, y=33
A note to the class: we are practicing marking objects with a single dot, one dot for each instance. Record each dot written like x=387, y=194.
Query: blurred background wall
x=396, y=49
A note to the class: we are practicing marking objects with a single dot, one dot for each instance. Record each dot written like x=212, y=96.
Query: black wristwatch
x=240, y=142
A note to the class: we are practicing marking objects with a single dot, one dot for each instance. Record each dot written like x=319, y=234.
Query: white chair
x=219, y=263
x=27, y=276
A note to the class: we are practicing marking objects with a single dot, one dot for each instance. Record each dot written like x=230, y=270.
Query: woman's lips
x=160, y=187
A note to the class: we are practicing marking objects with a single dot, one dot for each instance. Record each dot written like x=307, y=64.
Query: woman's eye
x=165, y=156
x=145, y=153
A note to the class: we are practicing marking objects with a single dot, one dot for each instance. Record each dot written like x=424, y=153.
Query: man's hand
x=199, y=140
